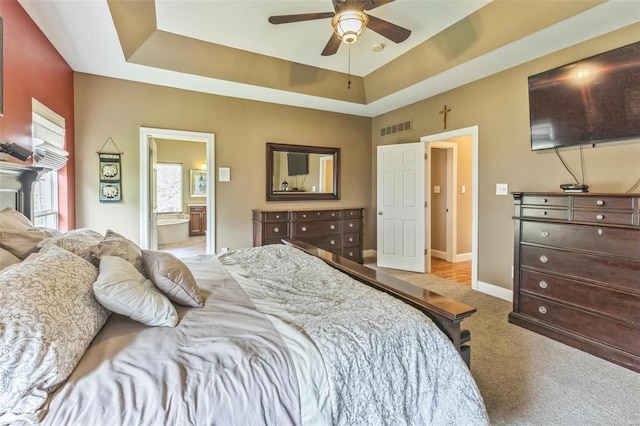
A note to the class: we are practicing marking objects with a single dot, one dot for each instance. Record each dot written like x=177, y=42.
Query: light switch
x=436, y=189
x=224, y=174
x=463, y=189
x=502, y=189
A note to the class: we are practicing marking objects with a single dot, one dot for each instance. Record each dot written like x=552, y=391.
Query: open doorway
x=454, y=204
x=196, y=204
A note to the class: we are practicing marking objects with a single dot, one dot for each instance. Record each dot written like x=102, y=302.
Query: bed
x=274, y=335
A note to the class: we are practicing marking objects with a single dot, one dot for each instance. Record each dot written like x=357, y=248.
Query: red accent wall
x=33, y=68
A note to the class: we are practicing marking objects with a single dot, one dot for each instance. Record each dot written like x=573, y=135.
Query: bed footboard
x=445, y=312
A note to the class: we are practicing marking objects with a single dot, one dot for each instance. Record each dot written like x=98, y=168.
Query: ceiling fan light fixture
x=349, y=25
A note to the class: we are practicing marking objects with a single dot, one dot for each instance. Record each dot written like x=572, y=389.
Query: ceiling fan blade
x=372, y=4
x=332, y=45
x=387, y=29
x=286, y=19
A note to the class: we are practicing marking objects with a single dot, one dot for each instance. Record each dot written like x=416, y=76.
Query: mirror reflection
x=302, y=172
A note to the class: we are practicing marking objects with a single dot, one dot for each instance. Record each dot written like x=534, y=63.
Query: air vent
x=396, y=128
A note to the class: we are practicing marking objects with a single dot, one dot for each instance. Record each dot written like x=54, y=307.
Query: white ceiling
x=84, y=34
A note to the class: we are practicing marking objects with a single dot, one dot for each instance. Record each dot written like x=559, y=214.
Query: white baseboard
x=463, y=257
x=494, y=290
x=439, y=254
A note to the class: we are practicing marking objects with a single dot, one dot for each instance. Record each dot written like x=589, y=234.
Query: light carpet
x=529, y=379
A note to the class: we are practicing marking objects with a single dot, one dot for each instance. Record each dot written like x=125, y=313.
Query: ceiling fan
x=348, y=21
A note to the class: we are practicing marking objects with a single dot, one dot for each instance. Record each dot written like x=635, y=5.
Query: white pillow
x=172, y=277
x=125, y=291
x=7, y=258
x=48, y=317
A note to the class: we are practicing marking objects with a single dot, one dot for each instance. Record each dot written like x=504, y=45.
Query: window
x=169, y=187
x=45, y=200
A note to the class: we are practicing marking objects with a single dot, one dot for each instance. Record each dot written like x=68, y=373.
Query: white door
x=402, y=214
x=153, y=197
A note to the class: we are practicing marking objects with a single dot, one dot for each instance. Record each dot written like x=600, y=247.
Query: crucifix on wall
x=444, y=113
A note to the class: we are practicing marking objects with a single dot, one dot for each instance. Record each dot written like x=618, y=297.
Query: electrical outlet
x=502, y=189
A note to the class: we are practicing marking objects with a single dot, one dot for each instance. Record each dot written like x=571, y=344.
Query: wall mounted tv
x=590, y=101
x=297, y=163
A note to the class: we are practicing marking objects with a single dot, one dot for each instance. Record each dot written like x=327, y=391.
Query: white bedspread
x=386, y=363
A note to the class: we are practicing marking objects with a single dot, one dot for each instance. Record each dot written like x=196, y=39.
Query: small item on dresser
x=574, y=187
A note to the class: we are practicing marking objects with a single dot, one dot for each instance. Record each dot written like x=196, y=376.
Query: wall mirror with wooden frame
x=300, y=173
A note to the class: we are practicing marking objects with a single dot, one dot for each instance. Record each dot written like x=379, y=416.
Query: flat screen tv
x=590, y=101
x=297, y=163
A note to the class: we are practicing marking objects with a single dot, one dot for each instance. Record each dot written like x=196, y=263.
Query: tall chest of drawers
x=336, y=230
x=577, y=271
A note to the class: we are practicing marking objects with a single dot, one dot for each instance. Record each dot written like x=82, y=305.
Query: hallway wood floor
x=457, y=272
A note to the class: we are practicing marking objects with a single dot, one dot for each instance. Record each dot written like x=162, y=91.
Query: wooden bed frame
x=445, y=312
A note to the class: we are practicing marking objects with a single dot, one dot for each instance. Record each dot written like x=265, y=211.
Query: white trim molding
x=494, y=290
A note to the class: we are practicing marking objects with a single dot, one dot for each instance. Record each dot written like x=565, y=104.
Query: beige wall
x=191, y=155
x=498, y=105
x=117, y=108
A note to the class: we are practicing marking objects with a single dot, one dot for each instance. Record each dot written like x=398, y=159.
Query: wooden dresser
x=577, y=271
x=337, y=230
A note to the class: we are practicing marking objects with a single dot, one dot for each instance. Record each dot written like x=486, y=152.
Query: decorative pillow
x=13, y=219
x=172, y=277
x=123, y=290
x=77, y=241
x=7, y=258
x=48, y=317
x=115, y=244
x=22, y=242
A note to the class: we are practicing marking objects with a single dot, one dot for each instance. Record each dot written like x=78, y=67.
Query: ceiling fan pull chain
x=349, y=65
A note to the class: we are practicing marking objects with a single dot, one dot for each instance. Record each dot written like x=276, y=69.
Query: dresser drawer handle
x=350, y=239
x=350, y=254
x=600, y=216
x=277, y=216
x=333, y=227
x=600, y=203
x=544, y=259
x=304, y=229
x=542, y=310
x=304, y=215
x=350, y=213
x=544, y=233
x=333, y=242
x=600, y=232
x=332, y=214
x=351, y=225
x=543, y=213
x=276, y=230
x=318, y=213
x=544, y=201
x=543, y=284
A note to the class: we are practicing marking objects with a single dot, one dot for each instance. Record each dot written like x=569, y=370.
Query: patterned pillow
x=123, y=290
x=13, y=219
x=77, y=241
x=172, y=277
x=22, y=242
x=7, y=258
x=48, y=317
x=115, y=244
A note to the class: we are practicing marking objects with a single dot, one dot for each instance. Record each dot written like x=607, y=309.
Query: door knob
x=379, y=213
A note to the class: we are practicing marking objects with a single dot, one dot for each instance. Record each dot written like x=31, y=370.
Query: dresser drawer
x=351, y=240
x=622, y=242
x=276, y=229
x=544, y=213
x=597, y=202
x=352, y=253
x=610, y=270
x=352, y=225
x=325, y=227
x=594, y=326
x=328, y=242
x=546, y=200
x=315, y=215
x=613, y=303
x=602, y=216
x=355, y=213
